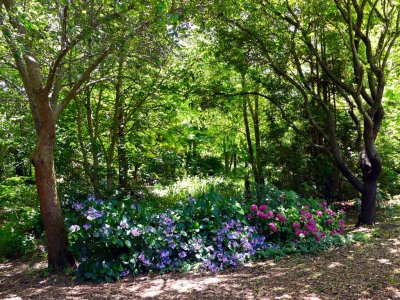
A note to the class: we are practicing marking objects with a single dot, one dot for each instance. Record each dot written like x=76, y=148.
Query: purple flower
x=93, y=214
x=182, y=254
x=77, y=206
x=86, y=226
x=164, y=253
x=125, y=273
x=160, y=266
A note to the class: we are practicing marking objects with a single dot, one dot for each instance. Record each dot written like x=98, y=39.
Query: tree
x=63, y=25
x=315, y=39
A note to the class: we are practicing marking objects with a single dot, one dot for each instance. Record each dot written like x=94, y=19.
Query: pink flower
x=273, y=227
x=306, y=207
x=323, y=234
x=324, y=204
x=263, y=207
x=333, y=232
x=330, y=212
x=311, y=222
x=249, y=216
x=281, y=218
x=260, y=214
x=298, y=232
x=319, y=213
x=296, y=225
x=317, y=237
x=329, y=221
x=254, y=207
x=270, y=214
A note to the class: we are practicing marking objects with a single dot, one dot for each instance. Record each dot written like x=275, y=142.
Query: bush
x=116, y=238
x=296, y=222
x=14, y=243
x=113, y=239
x=20, y=219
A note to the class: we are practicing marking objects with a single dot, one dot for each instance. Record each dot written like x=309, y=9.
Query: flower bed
x=116, y=238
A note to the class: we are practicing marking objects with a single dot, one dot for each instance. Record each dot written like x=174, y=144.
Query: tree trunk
x=122, y=155
x=368, y=203
x=59, y=257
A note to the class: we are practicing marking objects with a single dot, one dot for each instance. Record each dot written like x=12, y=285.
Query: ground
x=369, y=270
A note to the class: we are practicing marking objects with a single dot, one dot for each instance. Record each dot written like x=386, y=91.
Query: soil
x=369, y=270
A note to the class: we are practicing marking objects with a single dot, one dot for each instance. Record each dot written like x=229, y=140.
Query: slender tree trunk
x=43, y=160
x=122, y=156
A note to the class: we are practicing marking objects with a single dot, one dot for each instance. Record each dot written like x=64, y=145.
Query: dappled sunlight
x=384, y=261
x=335, y=265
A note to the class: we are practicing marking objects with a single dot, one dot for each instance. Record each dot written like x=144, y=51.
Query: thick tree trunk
x=368, y=203
x=59, y=257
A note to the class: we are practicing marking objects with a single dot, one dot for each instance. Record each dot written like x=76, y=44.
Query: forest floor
x=369, y=270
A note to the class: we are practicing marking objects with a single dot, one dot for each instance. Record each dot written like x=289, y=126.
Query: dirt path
x=358, y=271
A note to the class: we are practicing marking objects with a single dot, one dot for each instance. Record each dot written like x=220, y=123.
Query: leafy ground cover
x=361, y=270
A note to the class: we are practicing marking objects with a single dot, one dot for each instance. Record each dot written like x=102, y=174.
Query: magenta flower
x=324, y=204
x=281, y=218
x=330, y=212
x=254, y=207
x=273, y=227
x=311, y=222
x=260, y=214
x=317, y=237
x=296, y=225
x=270, y=214
x=319, y=213
x=249, y=216
x=298, y=232
x=263, y=207
x=329, y=221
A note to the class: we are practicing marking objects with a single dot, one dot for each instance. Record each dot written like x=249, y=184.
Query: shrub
x=289, y=220
x=114, y=239
x=16, y=239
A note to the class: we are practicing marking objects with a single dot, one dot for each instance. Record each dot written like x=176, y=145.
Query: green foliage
x=21, y=225
x=112, y=239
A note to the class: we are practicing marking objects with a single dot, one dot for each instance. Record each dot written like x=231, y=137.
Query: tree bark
x=59, y=257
